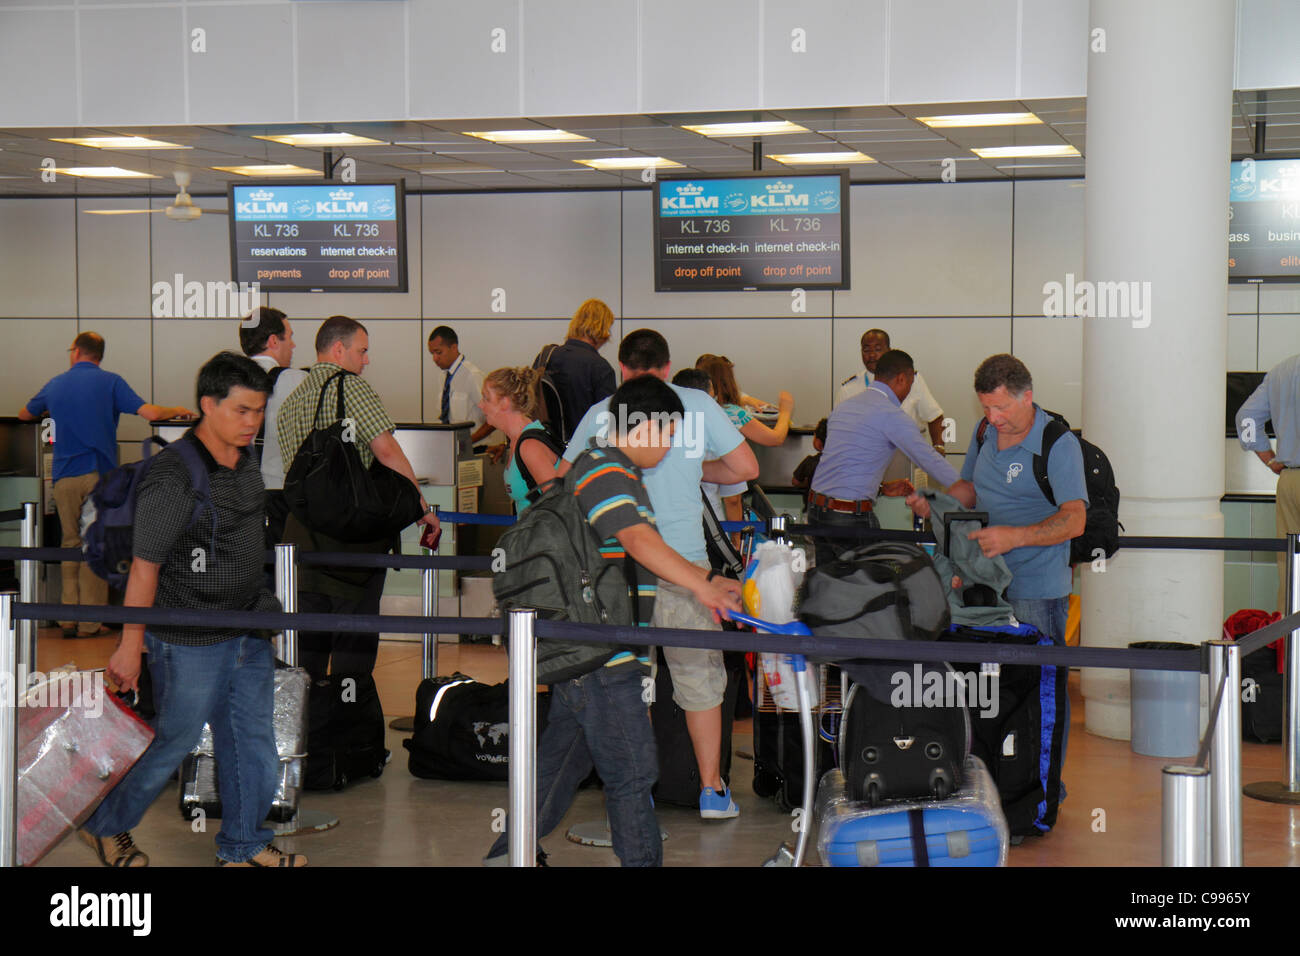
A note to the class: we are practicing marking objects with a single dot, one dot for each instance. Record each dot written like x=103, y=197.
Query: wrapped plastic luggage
x=199, y=789
x=966, y=829
x=76, y=741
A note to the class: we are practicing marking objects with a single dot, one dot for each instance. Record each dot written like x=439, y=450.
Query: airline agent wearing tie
x=462, y=383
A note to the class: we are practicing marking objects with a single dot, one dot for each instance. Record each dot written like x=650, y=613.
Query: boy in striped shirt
x=600, y=718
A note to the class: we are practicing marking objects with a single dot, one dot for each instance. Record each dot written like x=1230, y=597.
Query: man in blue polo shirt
x=84, y=404
x=705, y=447
x=1032, y=534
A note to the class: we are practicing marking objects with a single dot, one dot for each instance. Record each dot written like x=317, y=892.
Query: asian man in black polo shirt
x=222, y=676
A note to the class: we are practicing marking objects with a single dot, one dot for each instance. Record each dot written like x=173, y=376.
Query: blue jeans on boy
x=1049, y=615
x=600, y=718
x=231, y=686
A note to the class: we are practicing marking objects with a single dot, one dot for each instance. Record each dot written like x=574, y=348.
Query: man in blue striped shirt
x=1276, y=399
x=862, y=434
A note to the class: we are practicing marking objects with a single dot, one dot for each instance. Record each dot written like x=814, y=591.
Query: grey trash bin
x=1165, y=710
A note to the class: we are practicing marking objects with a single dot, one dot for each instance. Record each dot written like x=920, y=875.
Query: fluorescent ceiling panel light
x=528, y=136
x=773, y=128
x=1024, y=152
x=820, y=159
x=323, y=139
x=105, y=172
x=628, y=162
x=963, y=120
x=118, y=142
x=269, y=169
x=448, y=169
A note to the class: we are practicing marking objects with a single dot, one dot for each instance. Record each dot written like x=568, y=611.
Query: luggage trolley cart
x=804, y=692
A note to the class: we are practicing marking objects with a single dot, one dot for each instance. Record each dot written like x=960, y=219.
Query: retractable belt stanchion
x=286, y=648
x=1185, y=839
x=28, y=577
x=1287, y=790
x=1225, y=756
x=9, y=691
x=429, y=608
x=523, y=738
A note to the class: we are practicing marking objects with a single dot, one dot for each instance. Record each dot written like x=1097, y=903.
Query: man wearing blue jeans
x=600, y=718
x=1032, y=534
x=202, y=552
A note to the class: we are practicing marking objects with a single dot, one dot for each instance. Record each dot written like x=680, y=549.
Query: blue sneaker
x=717, y=806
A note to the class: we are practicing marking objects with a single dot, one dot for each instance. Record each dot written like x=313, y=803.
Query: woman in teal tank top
x=511, y=400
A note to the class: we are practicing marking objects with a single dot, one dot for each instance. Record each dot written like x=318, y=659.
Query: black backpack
x=552, y=411
x=1102, y=528
x=548, y=438
x=329, y=491
x=553, y=565
x=260, y=440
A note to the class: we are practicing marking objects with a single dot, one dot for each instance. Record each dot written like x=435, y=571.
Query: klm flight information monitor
x=319, y=237
x=755, y=231
x=1264, y=220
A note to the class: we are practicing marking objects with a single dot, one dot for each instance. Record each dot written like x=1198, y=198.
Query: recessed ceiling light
x=323, y=139
x=959, y=120
x=528, y=136
x=772, y=128
x=629, y=162
x=454, y=169
x=118, y=142
x=269, y=169
x=105, y=172
x=1024, y=152
x=820, y=159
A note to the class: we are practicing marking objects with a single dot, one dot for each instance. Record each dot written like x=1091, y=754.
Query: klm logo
x=262, y=208
x=690, y=202
x=336, y=208
x=781, y=201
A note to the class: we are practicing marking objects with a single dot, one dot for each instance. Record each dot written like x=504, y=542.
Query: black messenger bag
x=328, y=490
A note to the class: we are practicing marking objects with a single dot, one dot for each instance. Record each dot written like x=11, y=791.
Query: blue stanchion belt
x=829, y=648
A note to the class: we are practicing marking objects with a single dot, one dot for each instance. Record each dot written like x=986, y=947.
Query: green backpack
x=553, y=565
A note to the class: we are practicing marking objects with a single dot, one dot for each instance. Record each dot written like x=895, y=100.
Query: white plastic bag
x=771, y=582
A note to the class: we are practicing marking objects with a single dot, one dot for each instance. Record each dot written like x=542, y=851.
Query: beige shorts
x=699, y=677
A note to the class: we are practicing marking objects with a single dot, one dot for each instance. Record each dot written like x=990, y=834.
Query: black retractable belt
x=916, y=826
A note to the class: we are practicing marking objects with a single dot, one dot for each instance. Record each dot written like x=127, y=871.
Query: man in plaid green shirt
x=342, y=344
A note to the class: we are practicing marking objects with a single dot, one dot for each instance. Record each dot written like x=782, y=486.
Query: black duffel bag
x=885, y=590
x=328, y=490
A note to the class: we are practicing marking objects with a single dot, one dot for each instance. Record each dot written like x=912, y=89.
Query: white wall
x=936, y=265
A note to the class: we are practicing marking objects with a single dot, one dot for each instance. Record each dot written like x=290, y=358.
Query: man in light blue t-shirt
x=1032, y=534
x=706, y=447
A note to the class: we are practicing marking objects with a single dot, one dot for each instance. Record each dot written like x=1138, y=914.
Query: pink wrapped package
x=75, y=742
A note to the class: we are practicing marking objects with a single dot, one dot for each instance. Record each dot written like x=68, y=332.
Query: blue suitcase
x=967, y=829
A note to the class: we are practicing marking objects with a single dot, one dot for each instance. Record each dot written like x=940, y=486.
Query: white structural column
x=1156, y=214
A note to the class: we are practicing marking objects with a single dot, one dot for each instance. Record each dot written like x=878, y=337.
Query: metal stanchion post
x=1287, y=790
x=286, y=648
x=1225, y=756
x=28, y=578
x=776, y=528
x=286, y=589
x=1186, y=801
x=429, y=608
x=9, y=691
x=523, y=739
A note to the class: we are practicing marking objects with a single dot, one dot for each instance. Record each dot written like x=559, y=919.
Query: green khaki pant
x=80, y=584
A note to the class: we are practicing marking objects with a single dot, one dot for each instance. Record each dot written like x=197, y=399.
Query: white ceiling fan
x=182, y=208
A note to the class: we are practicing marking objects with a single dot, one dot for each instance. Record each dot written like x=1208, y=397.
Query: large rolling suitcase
x=906, y=732
x=1021, y=739
x=199, y=789
x=967, y=829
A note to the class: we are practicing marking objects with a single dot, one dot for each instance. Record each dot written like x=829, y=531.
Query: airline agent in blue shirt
x=84, y=404
x=862, y=434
